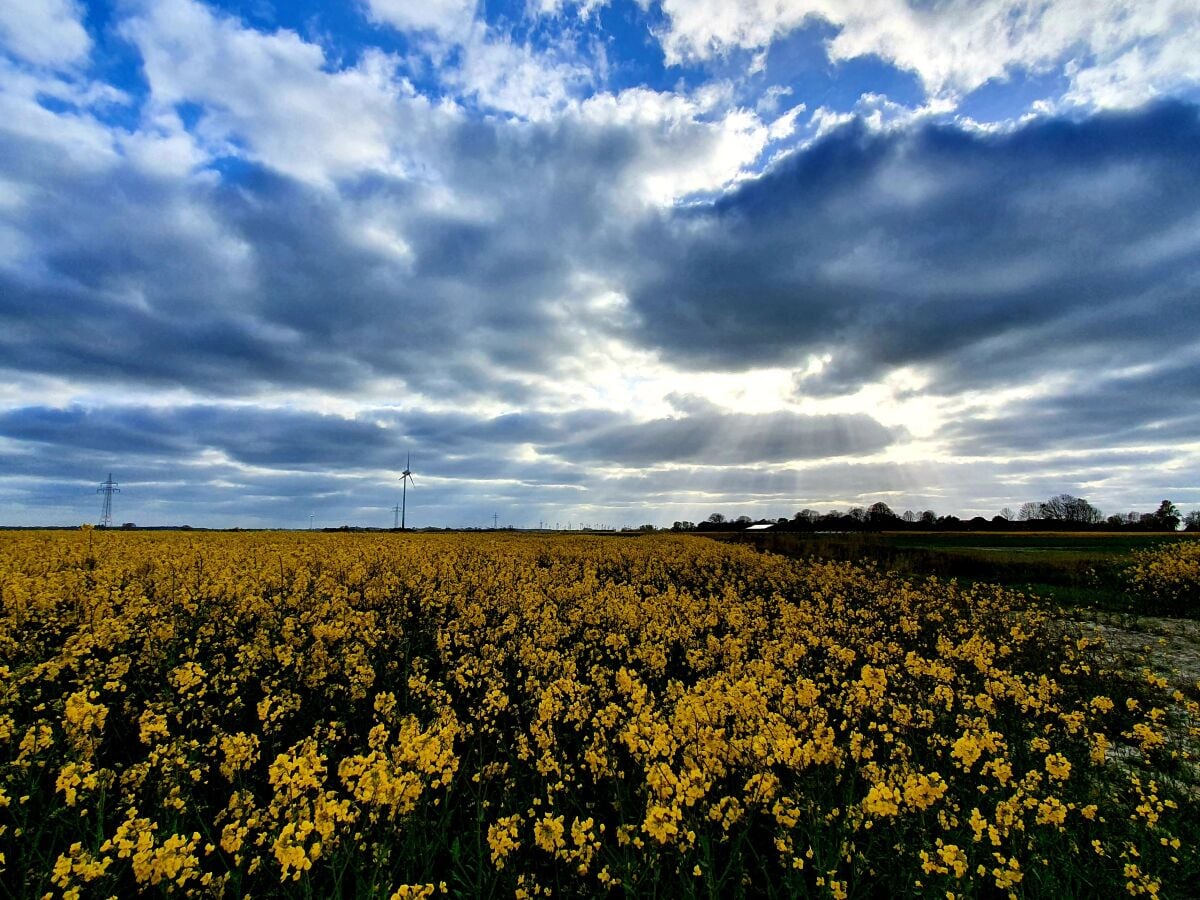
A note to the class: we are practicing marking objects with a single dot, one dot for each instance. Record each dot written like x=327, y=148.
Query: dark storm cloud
x=445, y=445
x=281, y=438
x=1060, y=244
x=990, y=255
x=224, y=285
x=1159, y=407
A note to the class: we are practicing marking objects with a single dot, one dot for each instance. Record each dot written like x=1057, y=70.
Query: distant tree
x=716, y=519
x=1029, y=512
x=1007, y=514
x=858, y=513
x=683, y=526
x=928, y=517
x=742, y=520
x=1066, y=508
x=909, y=516
x=1167, y=516
x=1055, y=509
x=1116, y=520
x=806, y=515
x=1192, y=520
x=880, y=515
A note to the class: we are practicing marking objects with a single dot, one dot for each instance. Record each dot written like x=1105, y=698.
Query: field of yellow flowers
x=404, y=715
x=1168, y=578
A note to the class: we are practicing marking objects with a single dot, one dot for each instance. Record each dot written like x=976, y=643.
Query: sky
x=604, y=263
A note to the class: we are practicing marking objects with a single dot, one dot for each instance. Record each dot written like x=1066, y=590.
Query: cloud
x=445, y=443
x=686, y=144
x=275, y=98
x=557, y=275
x=449, y=19
x=484, y=64
x=225, y=464
x=1153, y=406
x=247, y=249
x=1119, y=52
x=45, y=32
x=978, y=256
x=226, y=286
x=499, y=73
x=717, y=438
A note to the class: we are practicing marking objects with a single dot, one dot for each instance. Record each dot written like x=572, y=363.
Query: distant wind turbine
x=405, y=478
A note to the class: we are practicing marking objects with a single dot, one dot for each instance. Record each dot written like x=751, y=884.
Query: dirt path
x=1170, y=647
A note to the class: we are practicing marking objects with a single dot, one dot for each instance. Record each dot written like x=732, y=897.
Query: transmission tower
x=107, y=488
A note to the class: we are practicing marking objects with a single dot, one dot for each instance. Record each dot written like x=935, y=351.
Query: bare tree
x=1066, y=508
x=1029, y=512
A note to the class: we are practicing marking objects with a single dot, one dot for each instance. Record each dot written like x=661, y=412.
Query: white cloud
x=687, y=145
x=1131, y=75
x=163, y=146
x=513, y=78
x=486, y=65
x=449, y=19
x=1115, y=53
x=74, y=136
x=44, y=32
x=584, y=8
x=785, y=125
x=273, y=95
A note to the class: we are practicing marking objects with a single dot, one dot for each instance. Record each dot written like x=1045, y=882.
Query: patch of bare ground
x=1170, y=648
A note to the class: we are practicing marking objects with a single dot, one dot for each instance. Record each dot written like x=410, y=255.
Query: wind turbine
x=405, y=478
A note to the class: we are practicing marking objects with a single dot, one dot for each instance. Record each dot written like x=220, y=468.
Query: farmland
x=1073, y=570
x=505, y=715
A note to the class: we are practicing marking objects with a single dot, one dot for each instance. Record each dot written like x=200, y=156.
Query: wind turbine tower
x=405, y=478
x=107, y=488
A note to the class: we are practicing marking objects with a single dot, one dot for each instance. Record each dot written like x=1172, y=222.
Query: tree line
x=1061, y=512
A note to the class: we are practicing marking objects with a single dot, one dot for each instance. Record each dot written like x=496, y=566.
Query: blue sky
x=595, y=262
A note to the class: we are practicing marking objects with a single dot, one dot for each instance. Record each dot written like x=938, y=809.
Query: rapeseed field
x=414, y=715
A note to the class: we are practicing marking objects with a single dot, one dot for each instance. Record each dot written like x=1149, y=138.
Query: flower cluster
x=1167, y=578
